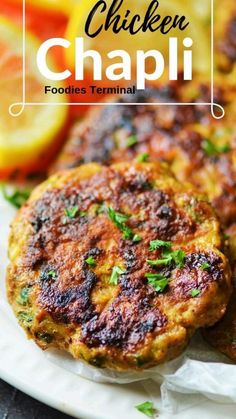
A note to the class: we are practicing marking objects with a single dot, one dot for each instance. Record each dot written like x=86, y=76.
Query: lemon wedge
x=27, y=137
x=107, y=40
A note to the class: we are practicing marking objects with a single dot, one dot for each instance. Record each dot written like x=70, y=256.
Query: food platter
x=30, y=370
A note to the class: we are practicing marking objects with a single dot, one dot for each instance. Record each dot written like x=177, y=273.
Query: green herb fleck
x=52, y=274
x=25, y=317
x=157, y=244
x=143, y=158
x=116, y=272
x=195, y=292
x=119, y=220
x=139, y=360
x=47, y=275
x=178, y=256
x=16, y=197
x=137, y=238
x=205, y=266
x=147, y=408
x=225, y=148
x=169, y=256
x=211, y=149
x=226, y=236
x=157, y=281
x=24, y=296
x=90, y=261
x=131, y=141
x=160, y=262
x=82, y=214
x=71, y=212
x=45, y=337
x=117, y=217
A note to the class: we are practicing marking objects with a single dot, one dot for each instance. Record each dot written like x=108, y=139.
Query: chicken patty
x=198, y=147
x=117, y=265
x=225, y=35
x=222, y=335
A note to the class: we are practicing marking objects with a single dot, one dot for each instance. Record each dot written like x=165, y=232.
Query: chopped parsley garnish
x=82, y=214
x=157, y=244
x=131, y=141
x=47, y=275
x=157, y=281
x=117, y=217
x=160, y=262
x=16, y=197
x=195, y=292
x=52, y=274
x=45, y=337
x=226, y=236
x=116, y=272
x=90, y=261
x=119, y=220
x=178, y=256
x=127, y=232
x=211, y=149
x=168, y=256
x=71, y=212
x=25, y=317
x=143, y=158
x=147, y=408
x=24, y=296
x=137, y=238
x=205, y=266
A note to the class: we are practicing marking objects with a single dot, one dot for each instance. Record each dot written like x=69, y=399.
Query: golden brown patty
x=222, y=335
x=225, y=35
x=117, y=265
x=198, y=147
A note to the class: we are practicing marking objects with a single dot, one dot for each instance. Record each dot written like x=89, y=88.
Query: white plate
x=26, y=367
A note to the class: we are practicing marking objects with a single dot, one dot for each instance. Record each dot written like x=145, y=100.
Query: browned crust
x=128, y=325
x=173, y=134
x=225, y=35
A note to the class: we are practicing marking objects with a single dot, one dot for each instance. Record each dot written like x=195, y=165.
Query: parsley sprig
x=205, y=266
x=131, y=141
x=120, y=219
x=147, y=408
x=195, y=292
x=167, y=257
x=71, y=212
x=157, y=244
x=157, y=281
x=16, y=197
x=47, y=275
x=116, y=272
x=91, y=261
x=211, y=149
x=142, y=158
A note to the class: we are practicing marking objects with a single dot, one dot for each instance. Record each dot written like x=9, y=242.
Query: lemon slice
x=107, y=40
x=26, y=137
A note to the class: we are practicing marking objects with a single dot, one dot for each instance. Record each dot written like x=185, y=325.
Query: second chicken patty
x=197, y=147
